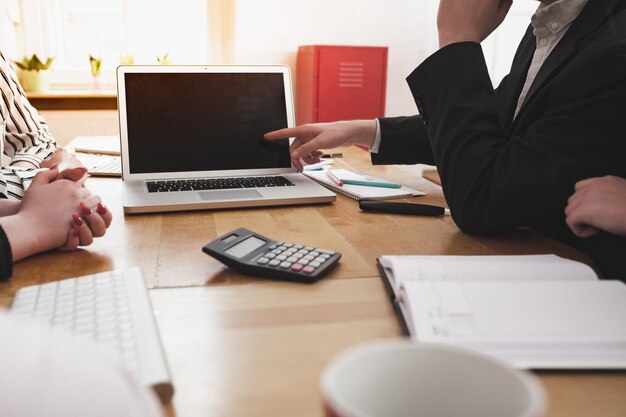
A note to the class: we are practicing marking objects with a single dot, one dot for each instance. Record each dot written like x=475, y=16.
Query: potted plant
x=34, y=74
x=128, y=59
x=96, y=71
x=165, y=59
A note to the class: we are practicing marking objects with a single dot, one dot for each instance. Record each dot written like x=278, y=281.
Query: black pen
x=332, y=155
x=403, y=208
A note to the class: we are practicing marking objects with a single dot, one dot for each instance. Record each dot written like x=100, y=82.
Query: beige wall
x=65, y=125
x=270, y=31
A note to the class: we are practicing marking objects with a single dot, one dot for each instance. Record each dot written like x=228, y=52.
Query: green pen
x=353, y=178
x=372, y=183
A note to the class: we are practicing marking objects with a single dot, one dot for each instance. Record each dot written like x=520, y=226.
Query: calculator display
x=244, y=247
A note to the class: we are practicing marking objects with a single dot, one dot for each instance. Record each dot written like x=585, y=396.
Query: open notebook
x=361, y=192
x=537, y=311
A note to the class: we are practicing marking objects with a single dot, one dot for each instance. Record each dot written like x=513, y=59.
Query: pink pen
x=334, y=178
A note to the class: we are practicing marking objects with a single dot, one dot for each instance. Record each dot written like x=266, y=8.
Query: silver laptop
x=192, y=138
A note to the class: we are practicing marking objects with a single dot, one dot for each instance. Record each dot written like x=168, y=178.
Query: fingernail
x=75, y=232
x=77, y=220
x=86, y=210
x=101, y=209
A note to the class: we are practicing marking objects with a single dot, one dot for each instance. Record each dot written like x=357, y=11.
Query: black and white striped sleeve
x=27, y=137
x=15, y=181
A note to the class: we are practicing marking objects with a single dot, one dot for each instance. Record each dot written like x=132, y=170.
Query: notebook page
x=536, y=324
x=362, y=192
x=484, y=268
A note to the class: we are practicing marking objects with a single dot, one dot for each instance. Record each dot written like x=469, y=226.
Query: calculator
x=251, y=253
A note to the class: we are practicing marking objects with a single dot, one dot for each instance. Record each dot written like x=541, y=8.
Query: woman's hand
x=55, y=214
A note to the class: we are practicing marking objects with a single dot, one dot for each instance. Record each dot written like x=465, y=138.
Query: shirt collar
x=558, y=15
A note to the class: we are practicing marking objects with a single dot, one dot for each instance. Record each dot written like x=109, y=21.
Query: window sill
x=74, y=100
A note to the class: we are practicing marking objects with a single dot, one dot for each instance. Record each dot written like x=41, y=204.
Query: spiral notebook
x=533, y=311
x=361, y=192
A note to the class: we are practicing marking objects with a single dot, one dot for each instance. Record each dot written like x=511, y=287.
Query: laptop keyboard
x=217, y=183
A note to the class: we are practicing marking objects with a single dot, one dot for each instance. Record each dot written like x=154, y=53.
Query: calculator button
x=320, y=260
x=272, y=247
x=314, y=264
x=298, y=255
x=288, y=244
x=308, y=269
x=292, y=259
x=303, y=261
x=296, y=267
x=325, y=255
x=289, y=252
x=270, y=255
x=277, y=251
x=281, y=257
x=303, y=251
x=309, y=257
x=285, y=264
x=282, y=248
x=309, y=248
x=278, y=243
x=298, y=246
x=274, y=262
x=314, y=253
x=262, y=261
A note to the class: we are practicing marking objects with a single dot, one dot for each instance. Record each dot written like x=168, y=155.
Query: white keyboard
x=110, y=308
x=109, y=168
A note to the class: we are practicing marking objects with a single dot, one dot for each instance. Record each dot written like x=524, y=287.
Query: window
x=70, y=30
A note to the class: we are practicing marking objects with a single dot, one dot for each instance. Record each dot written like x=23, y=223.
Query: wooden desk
x=243, y=346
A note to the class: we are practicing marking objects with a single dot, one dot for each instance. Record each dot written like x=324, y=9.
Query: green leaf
x=96, y=65
x=33, y=63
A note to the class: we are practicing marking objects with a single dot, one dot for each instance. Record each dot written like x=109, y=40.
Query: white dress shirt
x=549, y=23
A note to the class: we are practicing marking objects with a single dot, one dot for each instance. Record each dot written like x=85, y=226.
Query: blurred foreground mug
x=401, y=378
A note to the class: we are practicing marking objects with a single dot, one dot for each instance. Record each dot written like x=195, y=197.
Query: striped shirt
x=26, y=135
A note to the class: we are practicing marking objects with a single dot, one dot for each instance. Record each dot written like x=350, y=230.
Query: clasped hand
x=61, y=213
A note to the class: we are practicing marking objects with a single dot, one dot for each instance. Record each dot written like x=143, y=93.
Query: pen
x=371, y=183
x=333, y=177
x=403, y=208
x=332, y=155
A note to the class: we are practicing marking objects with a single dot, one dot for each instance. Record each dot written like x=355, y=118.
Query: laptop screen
x=183, y=122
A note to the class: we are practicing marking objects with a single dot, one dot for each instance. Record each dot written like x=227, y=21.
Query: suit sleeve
x=494, y=181
x=403, y=141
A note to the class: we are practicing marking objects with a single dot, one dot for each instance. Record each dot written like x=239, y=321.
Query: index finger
x=288, y=132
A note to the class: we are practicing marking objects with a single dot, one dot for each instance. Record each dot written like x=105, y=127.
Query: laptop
x=192, y=138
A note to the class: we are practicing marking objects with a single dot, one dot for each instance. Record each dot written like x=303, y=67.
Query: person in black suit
x=509, y=157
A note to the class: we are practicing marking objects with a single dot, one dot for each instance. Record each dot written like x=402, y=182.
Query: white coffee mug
x=401, y=378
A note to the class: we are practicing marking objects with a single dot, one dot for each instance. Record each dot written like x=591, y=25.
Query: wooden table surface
x=244, y=346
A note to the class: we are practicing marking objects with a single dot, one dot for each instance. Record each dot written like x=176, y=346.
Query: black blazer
x=500, y=172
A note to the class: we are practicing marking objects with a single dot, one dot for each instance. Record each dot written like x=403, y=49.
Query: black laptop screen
x=181, y=122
